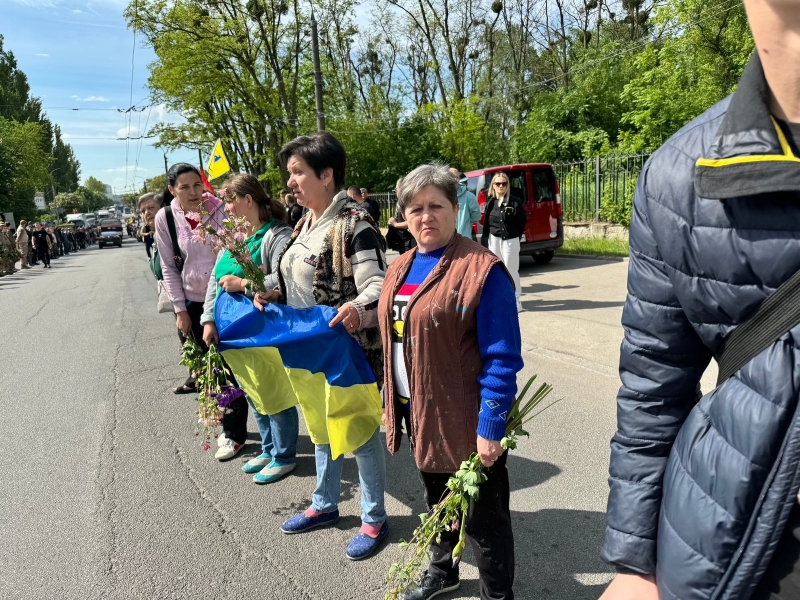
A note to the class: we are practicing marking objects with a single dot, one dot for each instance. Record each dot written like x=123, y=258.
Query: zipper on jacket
x=751, y=525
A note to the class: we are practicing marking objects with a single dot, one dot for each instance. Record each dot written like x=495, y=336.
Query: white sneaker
x=221, y=439
x=227, y=450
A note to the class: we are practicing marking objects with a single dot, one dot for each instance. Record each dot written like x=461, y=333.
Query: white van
x=102, y=214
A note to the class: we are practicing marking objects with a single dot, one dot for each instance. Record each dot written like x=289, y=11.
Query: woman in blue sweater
x=452, y=351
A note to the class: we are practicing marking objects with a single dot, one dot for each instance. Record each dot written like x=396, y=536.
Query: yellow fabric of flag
x=218, y=163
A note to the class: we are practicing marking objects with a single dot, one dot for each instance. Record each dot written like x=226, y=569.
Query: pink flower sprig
x=232, y=236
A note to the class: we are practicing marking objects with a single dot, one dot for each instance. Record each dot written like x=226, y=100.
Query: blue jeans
x=371, y=462
x=278, y=434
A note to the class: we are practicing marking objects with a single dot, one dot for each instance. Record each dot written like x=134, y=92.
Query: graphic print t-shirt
x=398, y=360
x=420, y=269
x=40, y=239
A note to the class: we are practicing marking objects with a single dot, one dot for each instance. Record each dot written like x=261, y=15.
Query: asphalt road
x=106, y=493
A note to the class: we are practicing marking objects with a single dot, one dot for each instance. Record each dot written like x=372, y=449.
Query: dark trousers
x=234, y=423
x=148, y=243
x=489, y=532
x=44, y=255
x=195, y=310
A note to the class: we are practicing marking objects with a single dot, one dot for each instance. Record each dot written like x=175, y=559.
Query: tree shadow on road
x=543, y=305
x=563, y=263
x=557, y=550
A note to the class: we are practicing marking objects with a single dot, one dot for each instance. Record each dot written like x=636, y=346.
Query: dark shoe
x=301, y=523
x=184, y=389
x=431, y=586
x=363, y=546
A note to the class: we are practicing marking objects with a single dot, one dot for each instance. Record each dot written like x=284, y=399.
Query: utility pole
x=317, y=74
x=200, y=158
x=166, y=166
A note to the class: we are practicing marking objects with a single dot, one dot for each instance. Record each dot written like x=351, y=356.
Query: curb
x=592, y=257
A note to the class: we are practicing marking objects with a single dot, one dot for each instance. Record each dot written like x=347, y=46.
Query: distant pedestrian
x=295, y=211
x=503, y=225
x=22, y=244
x=372, y=208
x=468, y=211
x=398, y=237
x=41, y=244
x=149, y=204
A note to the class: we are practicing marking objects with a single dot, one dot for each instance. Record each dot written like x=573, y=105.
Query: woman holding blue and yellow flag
x=278, y=423
x=336, y=259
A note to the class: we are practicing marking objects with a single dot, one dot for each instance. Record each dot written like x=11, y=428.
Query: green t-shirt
x=227, y=265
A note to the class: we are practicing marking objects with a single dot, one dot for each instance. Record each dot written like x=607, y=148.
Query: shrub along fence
x=600, y=188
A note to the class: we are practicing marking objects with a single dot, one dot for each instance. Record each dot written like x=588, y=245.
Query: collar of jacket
x=750, y=154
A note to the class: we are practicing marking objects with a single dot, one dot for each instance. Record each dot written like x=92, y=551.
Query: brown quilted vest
x=443, y=361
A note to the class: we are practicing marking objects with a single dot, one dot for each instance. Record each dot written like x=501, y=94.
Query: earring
x=326, y=187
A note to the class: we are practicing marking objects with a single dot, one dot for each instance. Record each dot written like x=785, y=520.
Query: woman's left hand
x=489, y=451
x=232, y=284
x=348, y=315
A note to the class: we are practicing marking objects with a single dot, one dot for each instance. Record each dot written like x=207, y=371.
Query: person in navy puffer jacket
x=703, y=497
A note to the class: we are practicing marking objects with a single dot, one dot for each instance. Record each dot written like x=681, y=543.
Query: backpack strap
x=779, y=313
x=173, y=234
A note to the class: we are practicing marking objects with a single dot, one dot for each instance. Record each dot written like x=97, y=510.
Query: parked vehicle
x=110, y=238
x=536, y=185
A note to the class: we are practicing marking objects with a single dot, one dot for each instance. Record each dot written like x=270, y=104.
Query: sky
x=78, y=54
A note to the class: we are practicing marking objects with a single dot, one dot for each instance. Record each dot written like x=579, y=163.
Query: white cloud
x=89, y=98
x=128, y=131
x=126, y=169
x=42, y=55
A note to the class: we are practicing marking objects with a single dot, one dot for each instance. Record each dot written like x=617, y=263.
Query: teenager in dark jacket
x=703, y=500
x=503, y=225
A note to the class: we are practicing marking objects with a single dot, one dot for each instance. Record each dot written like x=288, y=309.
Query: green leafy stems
x=209, y=371
x=449, y=514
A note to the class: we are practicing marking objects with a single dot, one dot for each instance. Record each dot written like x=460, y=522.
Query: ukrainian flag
x=285, y=356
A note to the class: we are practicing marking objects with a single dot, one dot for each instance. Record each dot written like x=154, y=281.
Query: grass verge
x=595, y=247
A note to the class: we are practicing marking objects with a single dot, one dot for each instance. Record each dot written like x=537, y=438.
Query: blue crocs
x=303, y=522
x=363, y=546
x=254, y=465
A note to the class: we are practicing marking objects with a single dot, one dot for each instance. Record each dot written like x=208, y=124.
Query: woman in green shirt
x=244, y=197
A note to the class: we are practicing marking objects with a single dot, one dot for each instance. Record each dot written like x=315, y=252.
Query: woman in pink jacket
x=187, y=264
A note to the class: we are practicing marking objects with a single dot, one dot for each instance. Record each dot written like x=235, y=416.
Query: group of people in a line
x=37, y=243
x=334, y=256
x=703, y=487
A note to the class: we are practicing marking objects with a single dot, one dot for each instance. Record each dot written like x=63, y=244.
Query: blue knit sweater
x=498, y=339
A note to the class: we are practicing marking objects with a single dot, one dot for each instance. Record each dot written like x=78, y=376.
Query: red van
x=536, y=185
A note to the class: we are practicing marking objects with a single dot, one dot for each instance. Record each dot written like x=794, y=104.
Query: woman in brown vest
x=451, y=345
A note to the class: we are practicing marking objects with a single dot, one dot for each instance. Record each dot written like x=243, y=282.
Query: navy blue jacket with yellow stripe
x=701, y=487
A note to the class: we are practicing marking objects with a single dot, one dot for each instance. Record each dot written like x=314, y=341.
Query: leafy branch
x=450, y=513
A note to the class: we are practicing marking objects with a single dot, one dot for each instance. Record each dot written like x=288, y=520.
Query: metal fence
x=599, y=189
x=388, y=203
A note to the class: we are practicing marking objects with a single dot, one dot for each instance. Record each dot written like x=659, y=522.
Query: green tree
x=25, y=167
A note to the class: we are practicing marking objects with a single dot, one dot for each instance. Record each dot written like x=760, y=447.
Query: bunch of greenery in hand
x=450, y=513
x=215, y=394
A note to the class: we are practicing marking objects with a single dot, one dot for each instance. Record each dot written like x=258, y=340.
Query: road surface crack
x=226, y=528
